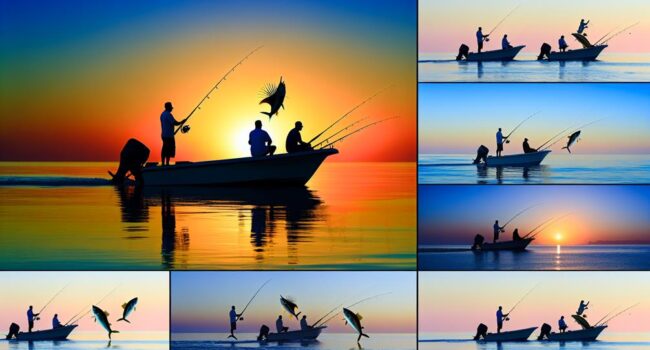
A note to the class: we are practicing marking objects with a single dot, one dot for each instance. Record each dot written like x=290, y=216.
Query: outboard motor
x=481, y=331
x=481, y=154
x=544, y=331
x=13, y=331
x=264, y=333
x=463, y=51
x=132, y=158
x=544, y=51
x=478, y=242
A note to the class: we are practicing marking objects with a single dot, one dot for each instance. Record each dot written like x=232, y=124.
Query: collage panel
x=84, y=310
x=534, y=227
x=533, y=41
x=295, y=309
x=301, y=152
x=534, y=310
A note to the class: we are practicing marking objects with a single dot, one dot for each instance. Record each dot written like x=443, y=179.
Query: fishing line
x=55, y=295
x=504, y=18
x=358, y=302
x=560, y=218
x=320, y=319
x=619, y=32
x=618, y=314
x=522, y=299
x=88, y=311
x=340, y=131
x=254, y=295
x=554, y=136
x=329, y=144
x=537, y=227
x=574, y=130
x=603, y=37
x=521, y=212
x=348, y=113
x=215, y=87
x=520, y=123
x=609, y=313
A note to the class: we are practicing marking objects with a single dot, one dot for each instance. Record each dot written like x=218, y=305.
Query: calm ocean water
x=610, y=67
x=607, y=341
x=64, y=216
x=96, y=340
x=326, y=341
x=581, y=257
x=555, y=169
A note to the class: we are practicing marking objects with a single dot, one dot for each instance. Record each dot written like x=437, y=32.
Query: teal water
x=557, y=168
x=327, y=341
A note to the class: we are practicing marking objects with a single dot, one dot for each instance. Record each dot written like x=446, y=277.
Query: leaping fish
x=274, y=97
x=355, y=322
x=128, y=308
x=572, y=139
x=101, y=316
x=290, y=306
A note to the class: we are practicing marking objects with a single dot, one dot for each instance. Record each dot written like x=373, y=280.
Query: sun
x=558, y=237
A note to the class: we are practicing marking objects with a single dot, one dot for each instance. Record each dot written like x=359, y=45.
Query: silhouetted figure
x=481, y=331
x=294, y=141
x=260, y=141
x=463, y=51
x=544, y=51
x=500, y=140
x=480, y=38
x=562, y=44
x=500, y=318
x=14, y=328
x=562, y=325
x=55, y=321
x=478, y=242
x=582, y=26
x=481, y=154
x=167, y=123
x=496, y=229
x=515, y=235
x=133, y=157
x=279, y=326
x=527, y=148
x=544, y=331
x=264, y=333
x=505, y=44
x=303, y=323
x=582, y=308
x=234, y=317
x=30, y=318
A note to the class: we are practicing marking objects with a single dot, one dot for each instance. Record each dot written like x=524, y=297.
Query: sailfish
x=274, y=97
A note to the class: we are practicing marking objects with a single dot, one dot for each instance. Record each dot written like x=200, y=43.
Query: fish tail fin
x=298, y=314
x=123, y=319
x=365, y=335
x=267, y=113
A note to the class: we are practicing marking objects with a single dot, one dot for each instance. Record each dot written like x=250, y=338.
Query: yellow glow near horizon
x=559, y=237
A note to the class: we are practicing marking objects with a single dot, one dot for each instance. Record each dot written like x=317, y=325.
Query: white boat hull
x=507, y=245
x=585, y=54
x=589, y=334
x=524, y=159
x=293, y=169
x=302, y=335
x=518, y=335
x=60, y=333
x=495, y=55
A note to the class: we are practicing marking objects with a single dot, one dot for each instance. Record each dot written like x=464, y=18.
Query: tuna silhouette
x=274, y=97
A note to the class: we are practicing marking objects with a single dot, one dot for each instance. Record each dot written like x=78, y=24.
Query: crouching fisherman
x=133, y=157
x=545, y=331
x=481, y=331
x=264, y=333
x=481, y=154
x=478, y=242
x=294, y=141
x=14, y=328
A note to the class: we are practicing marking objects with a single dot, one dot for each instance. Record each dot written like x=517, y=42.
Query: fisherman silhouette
x=582, y=27
x=234, y=317
x=294, y=141
x=167, y=123
x=505, y=44
x=515, y=235
x=500, y=318
x=500, y=140
x=303, y=323
x=280, y=326
x=562, y=325
x=480, y=38
x=31, y=316
x=55, y=321
x=496, y=230
x=260, y=141
x=527, y=148
x=562, y=44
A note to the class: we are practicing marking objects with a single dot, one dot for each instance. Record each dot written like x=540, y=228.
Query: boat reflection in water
x=293, y=210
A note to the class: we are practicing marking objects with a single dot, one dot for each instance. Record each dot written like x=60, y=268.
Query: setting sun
x=558, y=236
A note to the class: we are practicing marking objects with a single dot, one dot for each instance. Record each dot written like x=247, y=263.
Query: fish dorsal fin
x=359, y=316
x=124, y=306
x=106, y=313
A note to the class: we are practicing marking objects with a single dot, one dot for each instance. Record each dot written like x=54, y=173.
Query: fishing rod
x=340, y=131
x=619, y=32
x=520, y=123
x=214, y=88
x=537, y=227
x=358, y=302
x=348, y=113
x=329, y=312
x=619, y=313
x=254, y=295
x=522, y=299
x=574, y=130
x=503, y=19
x=609, y=313
x=603, y=37
x=554, y=136
x=76, y=319
x=52, y=299
x=329, y=144
x=521, y=212
x=545, y=227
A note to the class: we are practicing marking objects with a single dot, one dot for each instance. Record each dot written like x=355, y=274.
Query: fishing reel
x=507, y=141
x=185, y=129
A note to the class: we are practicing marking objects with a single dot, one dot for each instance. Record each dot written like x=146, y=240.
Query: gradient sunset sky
x=201, y=301
x=80, y=291
x=444, y=25
x=458, y=306
x=455, y=214
x=80, y=78
x=450, y=124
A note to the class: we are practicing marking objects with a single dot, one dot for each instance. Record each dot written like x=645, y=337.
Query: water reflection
x=272, y=211
x=500, y=174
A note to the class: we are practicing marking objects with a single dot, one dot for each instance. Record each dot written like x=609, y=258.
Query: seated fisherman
x=505, y=44
x=260, y=141
x=562, y=325
x=294, y=141
x=527, y=148
x=562, y=43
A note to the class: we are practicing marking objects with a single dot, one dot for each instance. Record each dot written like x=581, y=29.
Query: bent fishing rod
x=356, y=303
x=574, y=130
x=503, y=19
x=76, y=319
x=522, y=299
x=520, y=123
x=550, y=223
x=251, y=300
x=519, y=213
x=348, y=113
x=214, y=88
x=340, y=131
x=329, y=144
x=52, y=299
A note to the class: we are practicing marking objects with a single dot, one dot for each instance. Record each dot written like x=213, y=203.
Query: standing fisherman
x=234, y=317
x=500, y=318
x=30, y=318
x=497, y=229
x=583, y=26
x=500, y=140
x=167, y=123
x=480, y=38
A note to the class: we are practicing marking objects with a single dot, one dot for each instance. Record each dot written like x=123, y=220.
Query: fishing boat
x=291, y=169
x=523, y=159
x=517, y=245
x=495, y=55
x=584, y=54
x=301, y=335
x=589, y=334
x=517, y=335
x=60, y=333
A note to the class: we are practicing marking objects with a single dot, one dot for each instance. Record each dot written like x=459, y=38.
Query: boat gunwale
x=316, y=330
x=515, y=49
x=599, y=329
x=598, y=48
x=67, y=328
x=523, y=330
x=527, y=240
